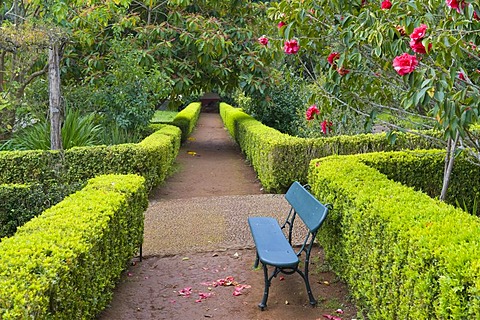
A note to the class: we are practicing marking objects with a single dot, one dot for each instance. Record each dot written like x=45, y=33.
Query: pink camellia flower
x=455, y=4
x=291, y=46
x=263, y=40
x=419, y=32
x=418, y=47
x=281, y=24
x=386, y=4
x=332, y=57
x=326, y=126
x=405, y=64
x=311, y=112
x=452, y=3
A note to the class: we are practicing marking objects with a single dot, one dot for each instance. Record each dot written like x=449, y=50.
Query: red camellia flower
x=386, y=4
x=291, y=46
x=416, y=39
x=281, y=24
x=311, y=112
x=326, y=126
x=461, y=76
x=452, y=3
x=405, y=64
x=475, y=16
x=332, y=57
x=263, y=40
x=419, y=32
x=418, y=47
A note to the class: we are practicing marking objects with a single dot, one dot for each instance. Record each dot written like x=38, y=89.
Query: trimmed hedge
x=403, y=254
x=280, y=159
x=151, y=158
x=423, y=170
x=64, y=263
x=187, y=119
x=20, y=203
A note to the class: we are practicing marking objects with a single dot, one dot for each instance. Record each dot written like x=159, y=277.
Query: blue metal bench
x=276, y=250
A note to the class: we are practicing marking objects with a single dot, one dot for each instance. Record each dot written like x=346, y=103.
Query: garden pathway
x=196, y=232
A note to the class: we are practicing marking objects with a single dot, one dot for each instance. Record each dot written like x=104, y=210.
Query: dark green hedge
x=187, y=118
x=64, y=263
x=20, y=203
x=423, y=170
x=280, y=159
x=403, y=254
x=151, y=158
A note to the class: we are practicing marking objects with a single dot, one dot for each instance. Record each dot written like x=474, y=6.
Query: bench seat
x=272, y=246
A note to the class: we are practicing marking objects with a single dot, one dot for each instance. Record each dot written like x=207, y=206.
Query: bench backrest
x=310, y=210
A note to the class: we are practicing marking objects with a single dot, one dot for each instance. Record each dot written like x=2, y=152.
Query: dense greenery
x=279, y=159
x=64, y=263
x=403, y=254
x=151, y=158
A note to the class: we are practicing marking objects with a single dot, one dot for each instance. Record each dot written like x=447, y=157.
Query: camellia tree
x=399, y=59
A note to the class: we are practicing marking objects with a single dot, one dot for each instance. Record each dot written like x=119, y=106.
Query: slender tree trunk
x=55, y=97
x=449, y=160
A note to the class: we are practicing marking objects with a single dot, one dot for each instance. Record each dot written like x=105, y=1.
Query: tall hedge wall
x=403, y=254
x=64, y=263
x=280, y=159
x=151, y=158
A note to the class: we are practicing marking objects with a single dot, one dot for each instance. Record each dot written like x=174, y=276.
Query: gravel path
x=205, y=205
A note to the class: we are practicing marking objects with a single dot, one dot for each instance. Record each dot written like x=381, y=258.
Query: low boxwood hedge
x=187, y=118
x=280, y=159
x=403, y=254
x=64, y=263
x=423, y=170
x=20, y=203
x=151, y=158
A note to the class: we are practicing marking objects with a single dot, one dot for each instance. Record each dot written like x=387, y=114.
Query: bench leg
x=255, y=264
x=262, y=305
x=307, y=284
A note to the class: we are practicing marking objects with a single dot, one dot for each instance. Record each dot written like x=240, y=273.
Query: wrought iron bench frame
x=276, y=250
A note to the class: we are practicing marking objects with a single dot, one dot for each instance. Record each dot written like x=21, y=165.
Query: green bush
x=151, y=158
x=20, y=203
x=186, y=119
x=403, y=254
x=280, y=159
x=423, y=170
x=64, y=263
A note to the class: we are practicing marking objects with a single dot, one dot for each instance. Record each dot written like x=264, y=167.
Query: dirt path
x=196, y=233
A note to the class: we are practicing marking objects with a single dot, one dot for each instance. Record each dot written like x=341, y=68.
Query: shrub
x=186, y=119
x=150, y=158
x=20, y=203
x=403, y=254
x=64, y=263
x=280, y=159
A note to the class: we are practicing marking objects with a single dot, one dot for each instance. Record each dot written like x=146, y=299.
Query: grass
x=163, y=116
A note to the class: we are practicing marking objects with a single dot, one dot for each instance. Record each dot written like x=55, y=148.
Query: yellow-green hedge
x=151, y=158
x=280, y=159
x=64, y=263
x=187, y=119
x=403, y=254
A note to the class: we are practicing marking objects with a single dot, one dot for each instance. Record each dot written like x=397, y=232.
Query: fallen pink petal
x=330, y=317
x=282, y=278
x=340, y=311
x=237, y=293
x=186, y=292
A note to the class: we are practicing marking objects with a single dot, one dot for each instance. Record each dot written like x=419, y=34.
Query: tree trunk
x=55, y=97
x=449, y=160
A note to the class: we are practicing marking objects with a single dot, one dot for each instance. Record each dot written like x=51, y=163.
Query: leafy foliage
x=72, y=254
x=403, y=254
